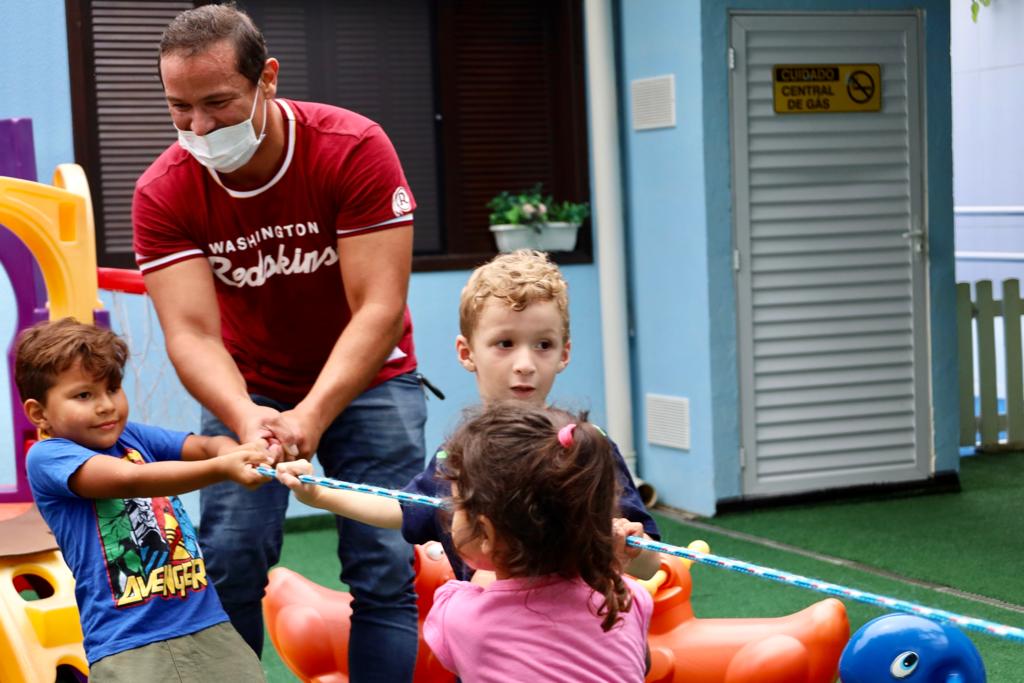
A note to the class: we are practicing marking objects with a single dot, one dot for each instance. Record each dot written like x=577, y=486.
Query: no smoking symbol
x=860, y=86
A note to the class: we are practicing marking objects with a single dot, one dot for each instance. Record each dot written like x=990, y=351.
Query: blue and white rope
x=327, y=482
x=969, y=623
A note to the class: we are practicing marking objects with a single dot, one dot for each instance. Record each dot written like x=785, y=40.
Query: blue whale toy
x=906, y=647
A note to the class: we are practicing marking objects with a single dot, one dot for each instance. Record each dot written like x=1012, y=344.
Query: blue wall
x=680, y=216
x=942, y=275
x=33, y=48
x=668, y=246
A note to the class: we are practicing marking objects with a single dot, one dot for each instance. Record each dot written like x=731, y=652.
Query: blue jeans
x=378, y=439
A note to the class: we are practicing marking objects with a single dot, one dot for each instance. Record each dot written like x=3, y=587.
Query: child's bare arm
x=199, y=447
x=362, y=507
x=644, y=565
x=103, y=476
x=639, y=563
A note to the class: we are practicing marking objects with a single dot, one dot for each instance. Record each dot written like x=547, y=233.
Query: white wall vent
x=654, y=102
x=668, y=421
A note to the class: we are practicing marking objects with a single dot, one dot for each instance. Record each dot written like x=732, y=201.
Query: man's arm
x=104, y=476
x=186, y=303
x=375, y=268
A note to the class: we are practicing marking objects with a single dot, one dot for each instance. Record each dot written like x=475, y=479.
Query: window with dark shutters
x=374, y=57
x=513, y=111
x=120, y=117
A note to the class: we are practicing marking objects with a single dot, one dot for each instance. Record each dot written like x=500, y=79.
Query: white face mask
x=226, y=149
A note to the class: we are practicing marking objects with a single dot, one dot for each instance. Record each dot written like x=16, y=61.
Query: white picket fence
x=976, y=336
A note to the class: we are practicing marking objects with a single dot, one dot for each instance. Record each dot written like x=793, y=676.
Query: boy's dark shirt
x=421, y=523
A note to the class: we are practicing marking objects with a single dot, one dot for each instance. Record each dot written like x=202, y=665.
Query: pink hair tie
x=565, y=435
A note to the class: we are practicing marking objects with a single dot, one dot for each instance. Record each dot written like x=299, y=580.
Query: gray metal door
x=830, y=260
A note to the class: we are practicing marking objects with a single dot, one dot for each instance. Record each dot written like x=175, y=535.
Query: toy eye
x=904, y=664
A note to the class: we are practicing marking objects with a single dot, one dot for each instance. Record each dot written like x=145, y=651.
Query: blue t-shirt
x=139, y=575
x=421, y=523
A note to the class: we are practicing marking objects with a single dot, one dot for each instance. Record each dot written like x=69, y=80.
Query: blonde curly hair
x=519, y=279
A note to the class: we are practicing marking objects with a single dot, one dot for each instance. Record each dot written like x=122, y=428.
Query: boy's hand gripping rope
x=969, y=623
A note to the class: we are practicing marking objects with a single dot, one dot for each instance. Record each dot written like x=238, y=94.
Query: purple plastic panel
x=17, y=160
x=17, y=153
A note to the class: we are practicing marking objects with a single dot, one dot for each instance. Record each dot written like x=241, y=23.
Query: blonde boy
x=514, y=336
x=107, y=489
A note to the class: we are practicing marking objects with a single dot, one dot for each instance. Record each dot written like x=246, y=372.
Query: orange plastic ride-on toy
x=309, y=624
x=804, y=647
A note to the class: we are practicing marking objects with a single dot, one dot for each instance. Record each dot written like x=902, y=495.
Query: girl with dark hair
x=534, y=496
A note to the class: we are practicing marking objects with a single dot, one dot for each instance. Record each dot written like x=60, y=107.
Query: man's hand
x=255, y=424
x=298, y=431
x=239, y=464
x=288, y=474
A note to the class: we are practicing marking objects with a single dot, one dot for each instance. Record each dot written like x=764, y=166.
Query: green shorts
x=216, y=653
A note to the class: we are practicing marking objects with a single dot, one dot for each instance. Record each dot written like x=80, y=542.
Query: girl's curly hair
x=551, y=505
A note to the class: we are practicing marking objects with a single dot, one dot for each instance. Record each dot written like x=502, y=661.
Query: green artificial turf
x=972, y=540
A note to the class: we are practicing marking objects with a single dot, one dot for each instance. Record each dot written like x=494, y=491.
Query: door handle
x=917, y=237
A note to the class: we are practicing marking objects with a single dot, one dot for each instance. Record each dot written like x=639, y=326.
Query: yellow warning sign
x=826, y=88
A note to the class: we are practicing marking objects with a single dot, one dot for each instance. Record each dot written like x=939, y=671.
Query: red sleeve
x=375, y=194
x=158, y=236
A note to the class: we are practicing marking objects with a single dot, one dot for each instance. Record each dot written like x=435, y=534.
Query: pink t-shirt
x=273, y=251
x=536, y=630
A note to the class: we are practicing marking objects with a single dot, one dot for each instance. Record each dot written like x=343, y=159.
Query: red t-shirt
x=273, y=251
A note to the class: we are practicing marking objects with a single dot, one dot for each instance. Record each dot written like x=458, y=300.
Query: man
x=276, y=243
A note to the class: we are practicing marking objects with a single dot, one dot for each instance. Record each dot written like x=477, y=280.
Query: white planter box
x=551, y=237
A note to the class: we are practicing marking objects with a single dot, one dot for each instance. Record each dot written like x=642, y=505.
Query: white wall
x=988, y=147
x=988, y=139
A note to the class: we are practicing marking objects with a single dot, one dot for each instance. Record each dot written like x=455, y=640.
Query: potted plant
x=532, y=220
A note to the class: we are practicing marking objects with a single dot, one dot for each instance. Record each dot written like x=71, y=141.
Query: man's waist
x=290, y=385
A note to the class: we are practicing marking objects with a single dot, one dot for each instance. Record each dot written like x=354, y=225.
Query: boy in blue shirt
x=514, y=336
x=107, y=488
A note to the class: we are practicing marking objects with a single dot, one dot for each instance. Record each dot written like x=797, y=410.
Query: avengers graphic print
x=150, y=547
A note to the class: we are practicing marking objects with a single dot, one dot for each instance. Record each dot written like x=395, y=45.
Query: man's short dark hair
x=196, y=30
